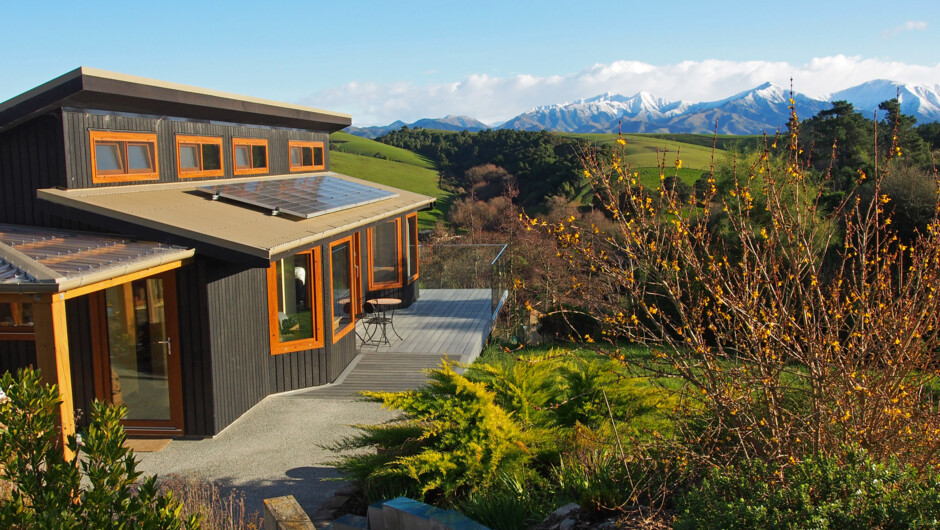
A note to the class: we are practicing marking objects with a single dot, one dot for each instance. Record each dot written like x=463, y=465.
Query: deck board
x=443, y=322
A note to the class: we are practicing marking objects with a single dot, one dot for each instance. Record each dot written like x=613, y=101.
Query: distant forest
x=537, y=165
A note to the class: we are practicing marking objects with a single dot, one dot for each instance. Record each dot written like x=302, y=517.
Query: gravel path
x=272, y=450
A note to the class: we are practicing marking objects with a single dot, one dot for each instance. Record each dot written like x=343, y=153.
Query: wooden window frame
x=314, y=295
x=250, y=142
x=370, y=241
x=122, y=140
x=17, y=332
x=292, y=144
x=199, y=141
x=353, y=288
x=413, y=237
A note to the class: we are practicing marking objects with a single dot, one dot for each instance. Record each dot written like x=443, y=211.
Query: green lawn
x=649, y=151
x=348, y=143
x=400, y=175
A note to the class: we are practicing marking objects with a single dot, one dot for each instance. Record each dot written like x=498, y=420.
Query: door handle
x=169, y=345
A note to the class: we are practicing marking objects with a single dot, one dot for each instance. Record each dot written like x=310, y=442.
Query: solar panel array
x=303, y=197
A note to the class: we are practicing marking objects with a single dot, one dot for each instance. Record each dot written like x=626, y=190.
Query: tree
x=96, y=489
x=791, y=337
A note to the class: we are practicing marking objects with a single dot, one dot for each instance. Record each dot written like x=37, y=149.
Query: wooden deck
x=444, y=322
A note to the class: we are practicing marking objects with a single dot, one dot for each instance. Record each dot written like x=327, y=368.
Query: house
x=183, y=251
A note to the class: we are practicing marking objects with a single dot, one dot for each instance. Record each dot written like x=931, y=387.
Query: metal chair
x=373, y=321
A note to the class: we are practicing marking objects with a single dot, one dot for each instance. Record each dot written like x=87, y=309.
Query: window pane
x=318, y=156
x=139, y=157
x=308, y=156
x=211, y=157
x=241, y=157
x=294, y=313
x=385, y=253
x=259, y=156
x=189, y=157
x=26, y=318
x=412, y=235
x=295, y=156
x=6, y=315
x=340, y=265
x=108, y=157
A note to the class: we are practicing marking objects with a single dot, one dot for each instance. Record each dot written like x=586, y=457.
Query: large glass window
x=16, y=321
x=294, y=303
x=306, y=156
x=411, y=244
x=344, y=291
x=385, y=255
x=251, y=155
x=199, y=156
x=121, y=157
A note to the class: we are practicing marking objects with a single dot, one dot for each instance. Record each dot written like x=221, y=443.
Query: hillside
x=402, y=175
x=651, y=151
x=348, y=143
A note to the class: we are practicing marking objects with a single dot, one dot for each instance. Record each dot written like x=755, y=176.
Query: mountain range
x=761, y=109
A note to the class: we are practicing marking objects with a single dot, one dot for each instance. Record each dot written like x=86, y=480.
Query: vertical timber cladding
x=238, y=326
x=77, y=123
x=81, y=352
x=195, y=349
x=31, y=157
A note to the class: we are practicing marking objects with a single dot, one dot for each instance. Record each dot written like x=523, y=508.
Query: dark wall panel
x=237, y=327
x=16, y=354
x=195, y=350
x=30, y=159
x=78, y=123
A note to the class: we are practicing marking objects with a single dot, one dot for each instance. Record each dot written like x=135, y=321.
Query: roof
x=90, y=88
x=41, y=260
x=181, y=210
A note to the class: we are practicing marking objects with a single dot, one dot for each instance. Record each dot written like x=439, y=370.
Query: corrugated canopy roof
x=90, y=88
x=182, y=210
x=40, y=260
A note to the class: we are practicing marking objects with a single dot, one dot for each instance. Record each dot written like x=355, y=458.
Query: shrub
x=850, y=491
x=96, y=489
x=216, y=508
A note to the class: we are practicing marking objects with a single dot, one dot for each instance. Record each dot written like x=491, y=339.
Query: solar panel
x=304, y=197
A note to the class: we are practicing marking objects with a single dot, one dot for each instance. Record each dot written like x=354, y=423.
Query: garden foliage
x=96, y=489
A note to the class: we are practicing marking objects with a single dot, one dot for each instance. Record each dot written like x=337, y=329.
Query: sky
x=383, y=61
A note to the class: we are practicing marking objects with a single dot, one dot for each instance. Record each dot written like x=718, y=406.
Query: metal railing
x=457, y=266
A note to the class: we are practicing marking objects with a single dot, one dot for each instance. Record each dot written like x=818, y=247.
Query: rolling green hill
x=398, y=174
x=348, y=143
x=646, y=151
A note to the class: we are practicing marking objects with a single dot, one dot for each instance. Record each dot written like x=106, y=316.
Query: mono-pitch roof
x=184, y=211
x=90, y=88
x=42, y=260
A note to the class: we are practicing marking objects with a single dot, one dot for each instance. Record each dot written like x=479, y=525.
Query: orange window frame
x=412, y=230
x=199, y=141
x=370, y=237
x=249, y=142
x=295, y=144
x=314, y=294
x=353, y=287
x=121, y=141
x=17, y=331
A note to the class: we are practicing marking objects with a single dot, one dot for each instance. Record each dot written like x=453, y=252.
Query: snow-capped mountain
x=922, y=102
x=761, y=109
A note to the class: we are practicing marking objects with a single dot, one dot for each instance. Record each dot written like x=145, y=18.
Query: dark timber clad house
x=185, y=252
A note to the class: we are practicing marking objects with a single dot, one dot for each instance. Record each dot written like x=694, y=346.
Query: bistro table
x=387, y=307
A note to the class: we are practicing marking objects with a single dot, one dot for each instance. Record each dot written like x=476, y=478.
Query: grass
x=649, y=151
x=400, y=175
x=356, y=145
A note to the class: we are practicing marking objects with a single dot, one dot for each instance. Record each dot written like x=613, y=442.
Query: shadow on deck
x=453, y=323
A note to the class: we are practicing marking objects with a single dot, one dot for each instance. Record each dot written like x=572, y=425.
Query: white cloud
x=910, y=25
x=496, y=99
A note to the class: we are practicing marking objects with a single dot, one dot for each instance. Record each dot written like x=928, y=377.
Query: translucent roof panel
x=303, y=197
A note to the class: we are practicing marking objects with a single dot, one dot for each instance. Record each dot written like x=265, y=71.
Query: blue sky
x=382, y=61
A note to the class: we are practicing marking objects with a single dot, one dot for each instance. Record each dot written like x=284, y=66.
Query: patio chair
x=374, y=321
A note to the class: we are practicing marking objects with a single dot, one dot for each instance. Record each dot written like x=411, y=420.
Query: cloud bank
x=496, y=99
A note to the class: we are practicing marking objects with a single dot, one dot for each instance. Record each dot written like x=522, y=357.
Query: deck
x=444, y=322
